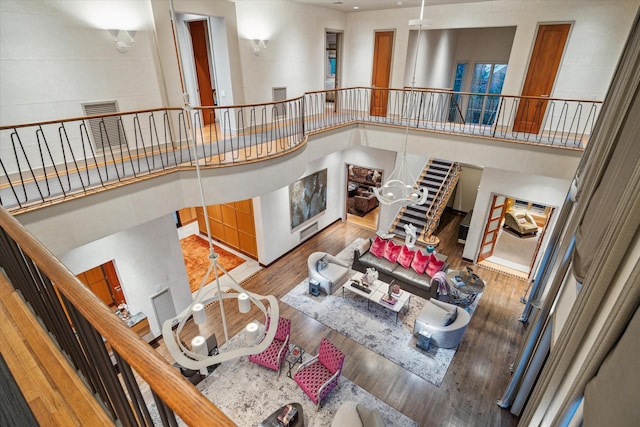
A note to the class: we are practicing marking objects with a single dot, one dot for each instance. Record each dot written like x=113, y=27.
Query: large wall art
x=307, y=197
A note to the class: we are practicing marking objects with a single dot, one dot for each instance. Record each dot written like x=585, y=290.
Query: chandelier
x=401, y=187
x=256, y=336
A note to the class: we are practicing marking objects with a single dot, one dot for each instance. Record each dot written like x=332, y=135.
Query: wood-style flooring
x=479, y=372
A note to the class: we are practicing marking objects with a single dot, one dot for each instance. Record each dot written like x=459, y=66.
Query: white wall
x=540, y=189
x=148, y=258
x=56, y=55
x=595, y=43
x=467, y=189
x=295, y=55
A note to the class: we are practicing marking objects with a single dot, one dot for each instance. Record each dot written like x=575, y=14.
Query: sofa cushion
x=380, y=264
x=432, y=314
x=321, y=264
x=378, y=247
x=391, y=251
x=405, y=257
x=407, y=275
x=370, y=417
x=434, y=266
x=420, y=262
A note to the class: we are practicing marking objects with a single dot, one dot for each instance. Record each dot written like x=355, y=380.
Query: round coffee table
x=272, y=420
x=465, y=286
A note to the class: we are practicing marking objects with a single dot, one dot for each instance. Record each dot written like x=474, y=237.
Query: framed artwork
x=307, y=197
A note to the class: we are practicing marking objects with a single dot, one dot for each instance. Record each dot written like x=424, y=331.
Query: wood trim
x=179, y=394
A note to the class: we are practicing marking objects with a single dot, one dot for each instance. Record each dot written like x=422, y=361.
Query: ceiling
x=364, y=5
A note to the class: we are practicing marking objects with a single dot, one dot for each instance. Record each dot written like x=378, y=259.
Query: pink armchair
x=273, y=355
x=318, y=376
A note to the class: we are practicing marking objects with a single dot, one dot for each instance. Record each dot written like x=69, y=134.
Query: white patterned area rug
x=248, y=393
x=375, y=327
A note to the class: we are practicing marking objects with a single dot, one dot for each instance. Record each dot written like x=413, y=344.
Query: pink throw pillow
x=435, y=265
x=391, y=251
x=405, y=257
x=420, y=262
x=377, y=247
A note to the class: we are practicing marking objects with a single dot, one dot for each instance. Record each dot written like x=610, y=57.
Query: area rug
x=248, y=393
x=195, y=251
x=375, y=327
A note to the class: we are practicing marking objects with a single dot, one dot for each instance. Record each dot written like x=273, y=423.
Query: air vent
x=279, y=94
x=308, y=231
x=104, y=130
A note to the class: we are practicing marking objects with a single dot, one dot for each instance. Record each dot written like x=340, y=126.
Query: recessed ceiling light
x=399, y=3
x=356, y=7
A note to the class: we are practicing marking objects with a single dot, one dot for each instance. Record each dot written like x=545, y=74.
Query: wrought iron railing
x=55, y=160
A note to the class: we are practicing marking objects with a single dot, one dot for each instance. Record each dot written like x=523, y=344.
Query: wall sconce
x=124, y=39
x=259, y=45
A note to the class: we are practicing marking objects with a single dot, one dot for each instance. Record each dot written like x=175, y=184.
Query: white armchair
x=327, y=270
x=445, y=327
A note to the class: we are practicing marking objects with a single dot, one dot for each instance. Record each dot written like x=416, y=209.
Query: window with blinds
x=104, y=130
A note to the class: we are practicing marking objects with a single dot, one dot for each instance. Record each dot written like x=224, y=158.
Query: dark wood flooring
x=479, y=372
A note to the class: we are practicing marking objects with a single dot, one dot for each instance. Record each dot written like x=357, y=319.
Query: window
x=458, y=80
x=487, y=79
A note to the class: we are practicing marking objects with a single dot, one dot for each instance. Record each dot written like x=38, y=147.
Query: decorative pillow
x=434, y=266
x=450, y=317
x=391, y=251
x=378, y=246
x=420, y=262
x=321, y=264
x=405, y=257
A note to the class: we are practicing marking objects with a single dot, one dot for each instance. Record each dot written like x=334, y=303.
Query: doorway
x=202, y=61
x=541, y=75
x=362, y=206
x=513, y=235
x=333, y=67
x=103, y=282
x=381, y=75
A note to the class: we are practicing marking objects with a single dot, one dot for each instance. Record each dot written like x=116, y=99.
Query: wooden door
x=198, y=30
x=492, y=229
x=543, y=68
x=383, y=48
x=103, y=282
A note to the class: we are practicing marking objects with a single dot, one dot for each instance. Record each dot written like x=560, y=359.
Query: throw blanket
x=441, y=279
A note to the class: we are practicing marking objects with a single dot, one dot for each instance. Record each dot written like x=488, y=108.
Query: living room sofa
x=393, y=264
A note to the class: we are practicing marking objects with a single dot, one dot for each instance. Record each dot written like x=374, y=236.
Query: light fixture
x=199, y=314
x=193, y=358
x=125, y=39
x=259, y=45
x=244, y=304
x=401, y=187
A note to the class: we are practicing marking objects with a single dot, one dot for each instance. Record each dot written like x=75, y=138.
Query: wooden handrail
x=167, y=382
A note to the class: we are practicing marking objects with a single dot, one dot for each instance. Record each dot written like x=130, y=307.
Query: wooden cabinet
x=232, y=224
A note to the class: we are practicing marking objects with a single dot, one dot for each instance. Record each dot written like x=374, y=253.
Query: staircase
x=440, y=178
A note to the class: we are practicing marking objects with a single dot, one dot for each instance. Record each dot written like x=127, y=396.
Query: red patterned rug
x=195, y=251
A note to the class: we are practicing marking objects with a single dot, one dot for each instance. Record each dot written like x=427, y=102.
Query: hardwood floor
x=479, y=372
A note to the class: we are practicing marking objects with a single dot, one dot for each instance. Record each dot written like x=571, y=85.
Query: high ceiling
x=364, y=5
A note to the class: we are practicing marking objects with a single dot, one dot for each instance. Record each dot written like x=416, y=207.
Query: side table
x=314, y=287
x=294, y=356
x=465, y=286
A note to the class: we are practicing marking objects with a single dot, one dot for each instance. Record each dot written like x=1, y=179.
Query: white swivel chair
x=434, y=318
x=327, y=270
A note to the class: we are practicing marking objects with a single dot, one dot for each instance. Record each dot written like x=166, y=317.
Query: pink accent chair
x=273, y=355
x=318, y=376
